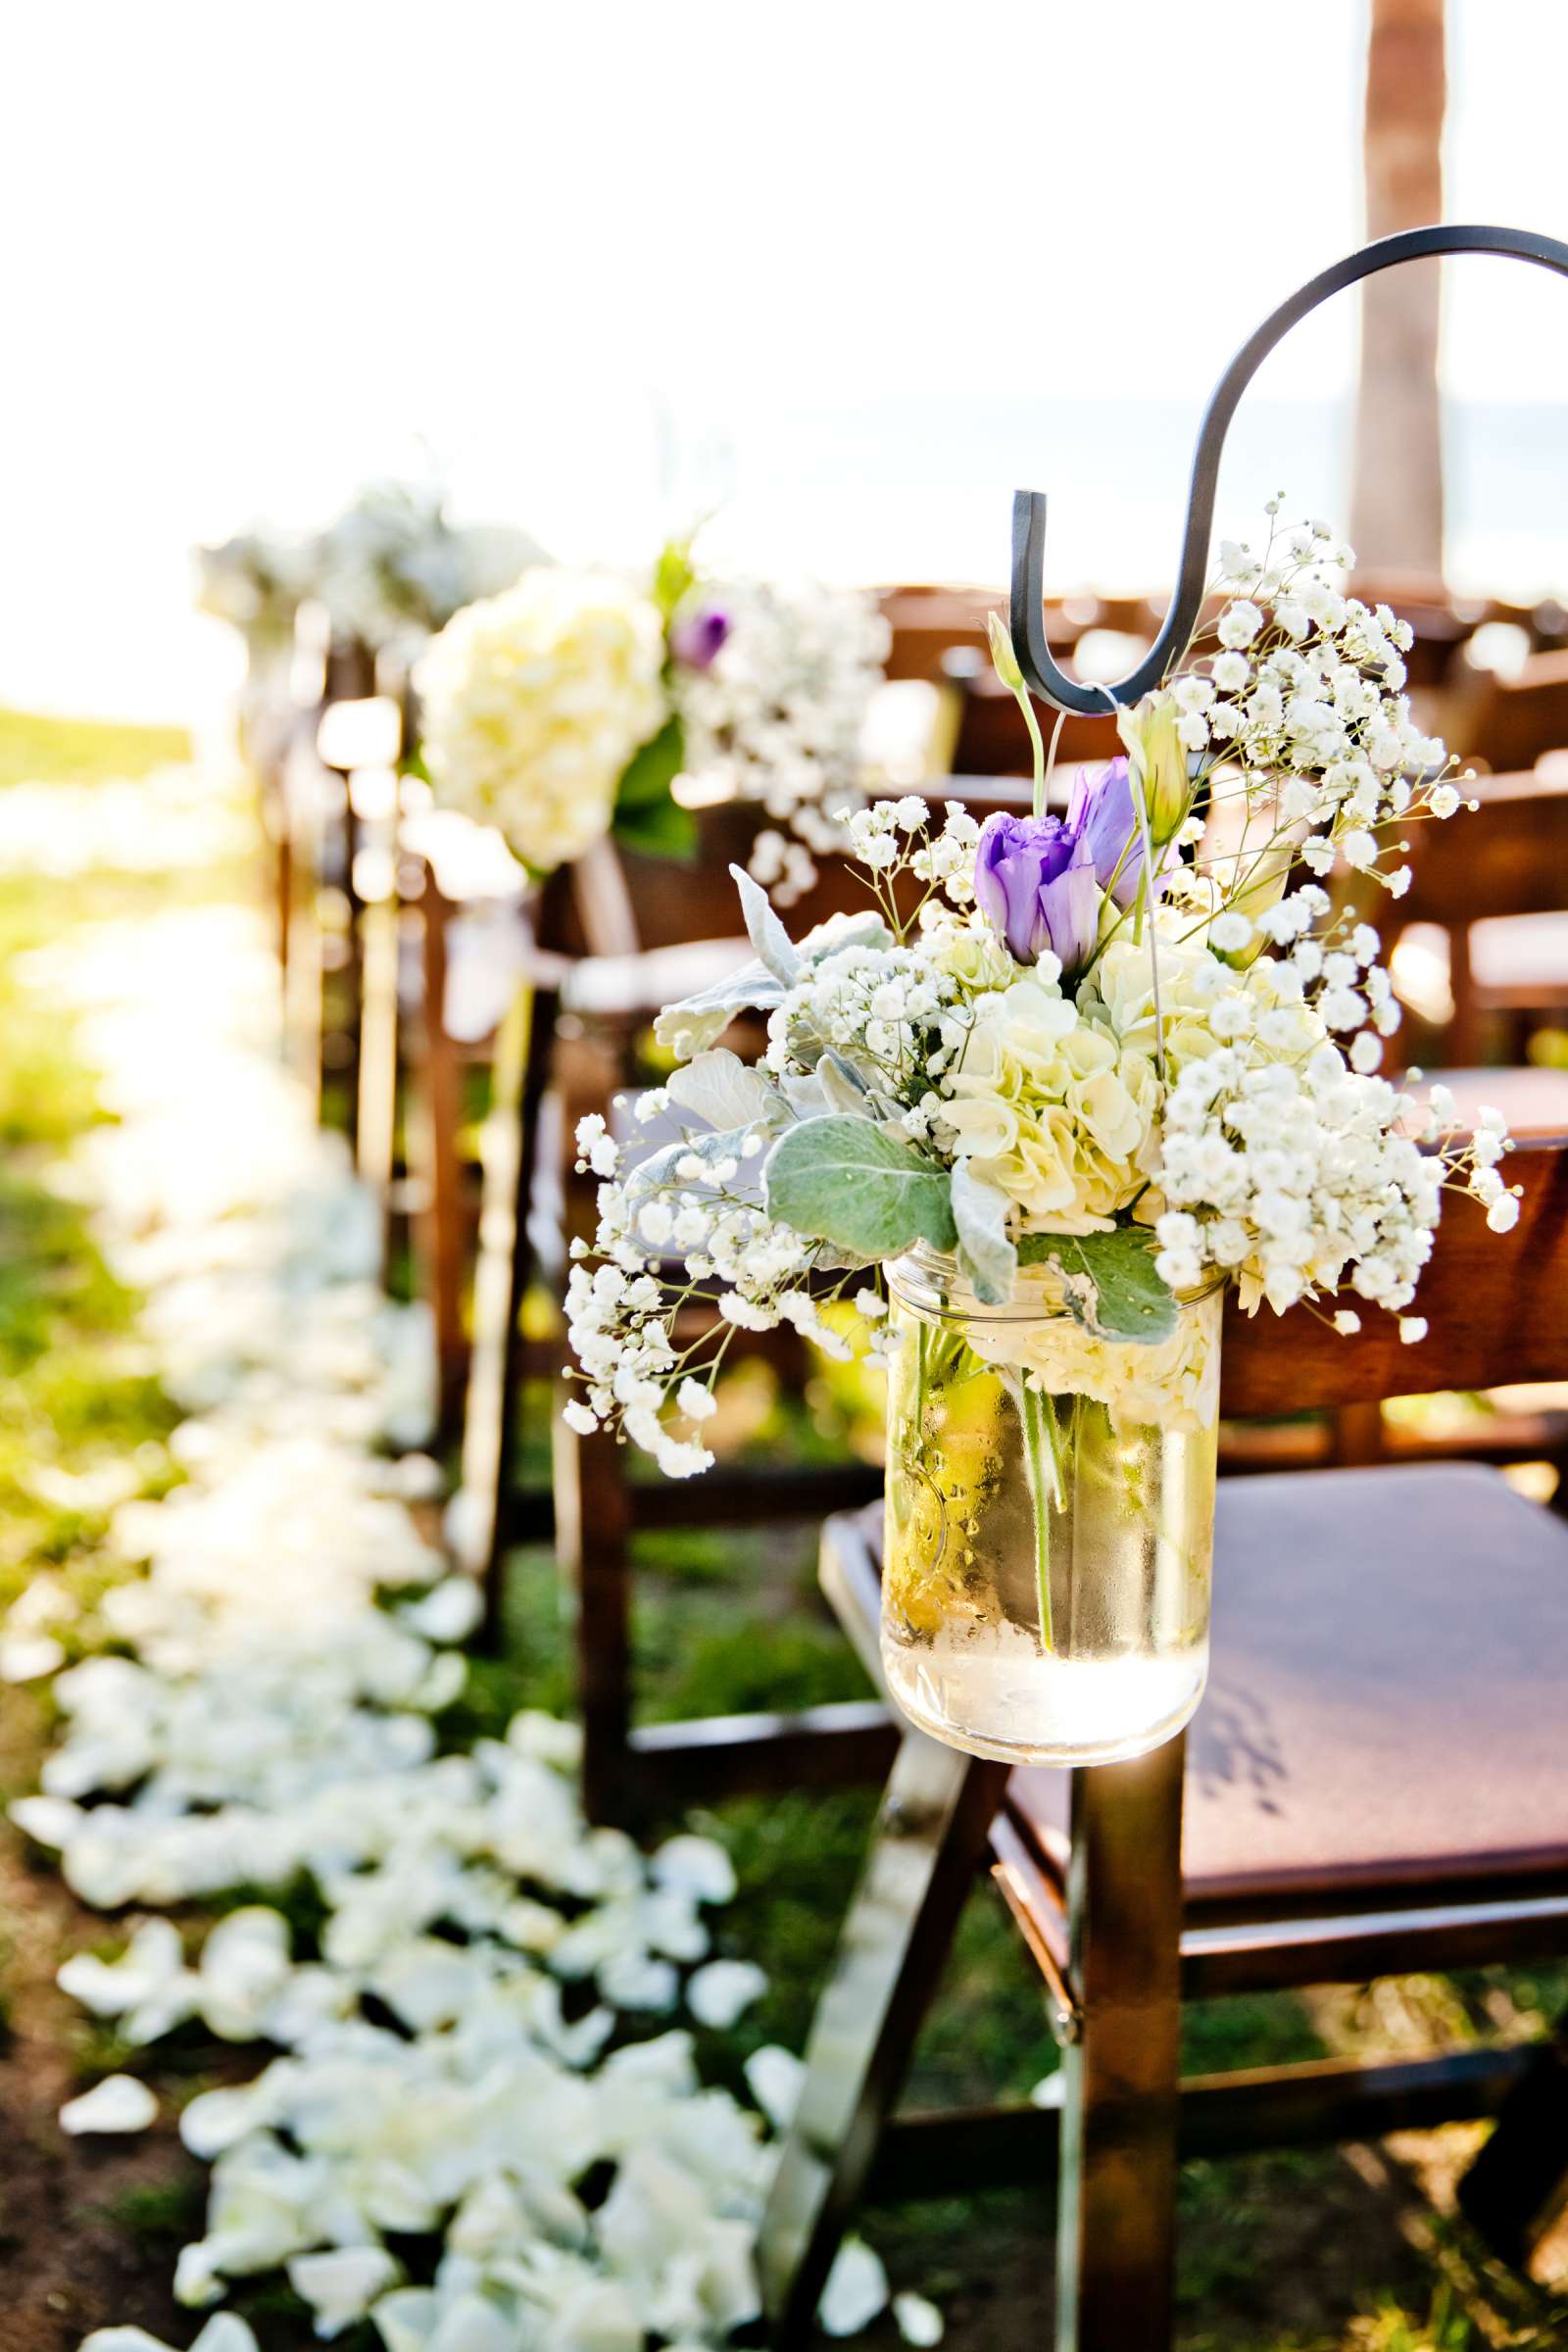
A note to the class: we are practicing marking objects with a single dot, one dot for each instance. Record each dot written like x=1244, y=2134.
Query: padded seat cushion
x=1387, y=1699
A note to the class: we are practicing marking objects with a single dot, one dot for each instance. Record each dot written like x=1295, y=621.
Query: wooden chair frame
x=1118, y=1952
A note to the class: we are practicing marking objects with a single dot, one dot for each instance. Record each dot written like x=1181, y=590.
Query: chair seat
x=1385, y=1705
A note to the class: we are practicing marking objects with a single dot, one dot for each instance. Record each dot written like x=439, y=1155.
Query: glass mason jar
x=1050, y=1519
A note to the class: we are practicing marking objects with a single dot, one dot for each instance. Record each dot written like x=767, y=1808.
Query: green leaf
x=662, y=830
x=986, y=1254
x=846, y=1181
x=649, y=771
x=1111, y=1281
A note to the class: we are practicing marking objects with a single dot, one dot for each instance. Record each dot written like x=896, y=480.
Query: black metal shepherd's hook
x=1029, y=506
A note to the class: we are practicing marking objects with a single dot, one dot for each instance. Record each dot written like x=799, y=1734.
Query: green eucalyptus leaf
x=986, y=1253
x=846, y=1181
x=1110, y=1279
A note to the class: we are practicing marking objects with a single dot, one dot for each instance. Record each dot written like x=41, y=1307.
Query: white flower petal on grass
x=418, y=2319
x=341, y=2285
x=719, y=1993
x=699, y=1865
x=245, y=1965
x=51, y=1821
x=856, y=2290
x=774, y=2077
x=118, y=2103
x=29, y=1658
x=449, y=1613
x=918, y=2321
x=225, y=2332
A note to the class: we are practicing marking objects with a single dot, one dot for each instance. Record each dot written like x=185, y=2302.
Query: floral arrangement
x=1119, y=1053
x=772, y=684
x=575, y=704
x=389, y=570
x=393, y=567
x=255, y=582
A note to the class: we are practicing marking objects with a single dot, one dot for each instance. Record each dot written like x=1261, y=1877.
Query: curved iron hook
x=1028, y=627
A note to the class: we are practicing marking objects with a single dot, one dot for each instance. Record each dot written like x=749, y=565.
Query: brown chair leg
x=1116, y=2203
x=489, y=1428
x=433, y=1135
x=593, y=1527
x=1517, y=2187
x=929, y=1842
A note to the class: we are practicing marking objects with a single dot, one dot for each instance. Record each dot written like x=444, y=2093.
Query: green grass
x=34, y=749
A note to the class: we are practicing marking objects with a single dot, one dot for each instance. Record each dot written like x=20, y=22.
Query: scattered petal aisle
x=259, y=1714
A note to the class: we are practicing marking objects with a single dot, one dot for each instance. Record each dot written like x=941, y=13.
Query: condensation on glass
x=1049, y=1520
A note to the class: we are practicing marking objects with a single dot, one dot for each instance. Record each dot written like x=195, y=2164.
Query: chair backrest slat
x=1496, y=1307
x=1508, y=857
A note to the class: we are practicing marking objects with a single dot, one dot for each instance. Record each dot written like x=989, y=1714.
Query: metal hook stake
x=1028, y=627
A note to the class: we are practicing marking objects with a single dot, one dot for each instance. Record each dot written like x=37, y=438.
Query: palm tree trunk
x=1396, y=498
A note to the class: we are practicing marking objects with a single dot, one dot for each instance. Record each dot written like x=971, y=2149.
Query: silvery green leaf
x=652, y=1174
x=867, y=930
x=986, y=1254
x=767, y=935
x=726, y=1092
x=846, y=1181
x=692, y=1026
x=1110, y=1279
x=843, y=1087
x=804, y=1091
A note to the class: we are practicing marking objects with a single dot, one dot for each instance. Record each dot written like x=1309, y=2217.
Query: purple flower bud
x=1035, y=882
x=1103, y=814
x=697, y=639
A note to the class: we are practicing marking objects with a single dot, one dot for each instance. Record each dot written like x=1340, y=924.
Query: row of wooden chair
x=1092, y=1870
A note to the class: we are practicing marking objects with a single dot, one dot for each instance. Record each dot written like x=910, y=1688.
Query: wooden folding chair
x=1476, y=877
x=1376, y=1781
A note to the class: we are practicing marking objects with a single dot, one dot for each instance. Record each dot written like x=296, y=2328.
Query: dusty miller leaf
x=693, y=1024
x=986, y=1254
x=846, y=1181
x=774, y=946
x=726, y=1092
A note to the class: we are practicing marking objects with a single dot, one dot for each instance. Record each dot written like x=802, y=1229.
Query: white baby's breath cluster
x=1299, y=708
x=777, y=716
x=533, y=701
x=489, y=2013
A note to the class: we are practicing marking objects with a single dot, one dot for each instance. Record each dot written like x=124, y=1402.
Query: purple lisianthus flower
x=1103, y=814
x=697, y=638
x=1034, y=879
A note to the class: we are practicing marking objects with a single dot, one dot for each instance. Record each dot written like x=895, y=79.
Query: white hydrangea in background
x=533, y=703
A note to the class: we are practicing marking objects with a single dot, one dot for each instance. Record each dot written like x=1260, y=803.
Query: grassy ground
x=1333, y=2252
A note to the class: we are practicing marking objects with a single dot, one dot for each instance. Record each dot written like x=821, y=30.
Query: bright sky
x=604, y=259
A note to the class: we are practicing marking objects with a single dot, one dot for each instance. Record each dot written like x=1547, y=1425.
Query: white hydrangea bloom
x=533, y=703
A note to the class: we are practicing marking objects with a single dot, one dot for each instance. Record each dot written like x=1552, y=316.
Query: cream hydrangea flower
x=1170, y=1383
x=533, y=703
x=1049, y=1110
